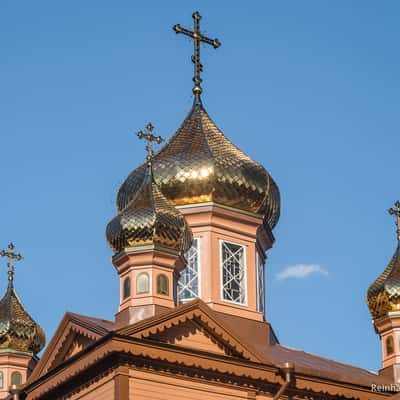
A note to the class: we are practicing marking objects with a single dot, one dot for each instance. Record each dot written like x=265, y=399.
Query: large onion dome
x=383, y=295
x=149, y=219
x=199, y=164
x=18, y=331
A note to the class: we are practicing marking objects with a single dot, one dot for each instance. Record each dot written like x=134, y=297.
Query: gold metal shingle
x=18, y=331
x=383, y=295
x=149, y=219
x=199, y=164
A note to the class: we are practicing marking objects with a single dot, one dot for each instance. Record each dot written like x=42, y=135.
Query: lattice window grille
x=233, y=272
x=189, y=281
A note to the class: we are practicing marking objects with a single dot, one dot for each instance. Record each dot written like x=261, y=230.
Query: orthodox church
x=192, y=228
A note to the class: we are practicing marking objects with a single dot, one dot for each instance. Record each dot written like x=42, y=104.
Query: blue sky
x=310, y=89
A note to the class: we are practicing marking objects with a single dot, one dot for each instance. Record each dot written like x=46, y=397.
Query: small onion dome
x=149, y=219
x=383, y=295
x=199, y=164
x=18, y=331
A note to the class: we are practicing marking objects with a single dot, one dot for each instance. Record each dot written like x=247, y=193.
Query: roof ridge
x=87, y=316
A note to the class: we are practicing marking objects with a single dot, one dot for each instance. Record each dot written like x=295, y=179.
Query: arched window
x=1, y=380
x=189, y=280
x=127, y=287
x=389, y=346
x=162, y=284
x=16, y=378
x=142, y=283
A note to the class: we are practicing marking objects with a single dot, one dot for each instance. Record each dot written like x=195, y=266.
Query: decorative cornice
x=214, y=204
x=115, y=350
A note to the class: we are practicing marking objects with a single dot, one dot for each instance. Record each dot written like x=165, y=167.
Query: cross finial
x=150, y=139
x=10, y=264
x=396, y=211
x=198, y=38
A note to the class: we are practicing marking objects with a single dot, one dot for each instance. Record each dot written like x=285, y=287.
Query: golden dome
x=18, y=331
x=148, y=219
x=383, y=295
x=199, y=164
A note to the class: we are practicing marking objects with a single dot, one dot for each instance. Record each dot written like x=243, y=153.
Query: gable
x=194, y=326
x=74, y=342
x=74, y=334
x=193, y=335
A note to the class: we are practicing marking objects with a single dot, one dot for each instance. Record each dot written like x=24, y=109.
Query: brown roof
x=254, y=340
x=264, y=341
x=259, y=337
x=322, y=367
x=92, y=322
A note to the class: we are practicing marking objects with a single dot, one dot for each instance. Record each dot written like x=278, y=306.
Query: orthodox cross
x=150, y=139
x=198, y=38
x=396, y=211
x=10, y=264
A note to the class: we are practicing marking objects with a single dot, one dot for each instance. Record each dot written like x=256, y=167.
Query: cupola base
x=388, y=328
x=148, y=276
x=15, y=366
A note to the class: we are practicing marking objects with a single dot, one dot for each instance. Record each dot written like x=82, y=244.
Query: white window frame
x=260, y=262
x=198, y=240
x=244, y=247
x=149, y=283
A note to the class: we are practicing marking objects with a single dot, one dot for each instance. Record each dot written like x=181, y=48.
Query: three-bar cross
x=150, y=139
x=10, y=264
x=396, y=211
x=198, y=38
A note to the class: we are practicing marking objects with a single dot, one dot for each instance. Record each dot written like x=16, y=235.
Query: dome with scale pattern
x=18, y=330
x=383, y=295
x=199, y=165
x=149, y=219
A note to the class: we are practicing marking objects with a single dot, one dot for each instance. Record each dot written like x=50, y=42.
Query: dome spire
x=396, y=211
x=10, y=264
x=197, y=38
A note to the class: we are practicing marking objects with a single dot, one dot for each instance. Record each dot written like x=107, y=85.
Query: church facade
x=192, y=228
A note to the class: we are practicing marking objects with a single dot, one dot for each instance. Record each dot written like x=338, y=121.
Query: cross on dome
x=197, y=38
x=396, y=211
x=10, y=264
x=150, y=139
